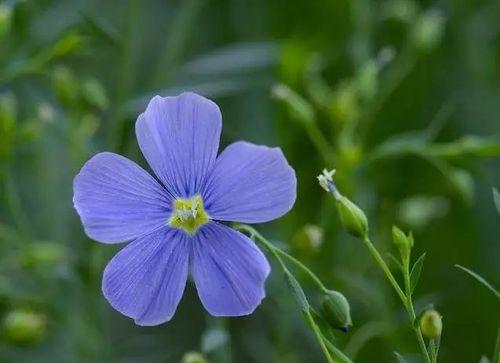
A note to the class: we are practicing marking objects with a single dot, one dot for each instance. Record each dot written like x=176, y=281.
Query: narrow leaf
x=298, y=293
x=481, y=279
x=416, y=270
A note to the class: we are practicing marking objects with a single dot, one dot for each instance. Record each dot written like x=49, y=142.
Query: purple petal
x=146, y=279
x=117, y=200
x=179, y=137
x=250, y=184
x=229, y=271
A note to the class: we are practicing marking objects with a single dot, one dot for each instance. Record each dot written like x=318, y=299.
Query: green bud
x=95, y=94
x=428, y=31
x=352, y=217
x=23, y=327
x=8, y=118
x=402, y=241
x=193, y=357
x=65, y=85
x=5, y=18
x=336, y=311
x=308, y=238
x=431, y=324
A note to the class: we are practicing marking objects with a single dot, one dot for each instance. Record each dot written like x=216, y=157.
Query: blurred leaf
x=213, y=339
x=299, y=108
x=400, y=358
x=419, y=210
x=239, y=58
x=496, y=198
x=481, y=280
x=484, y=359
x=416, y=270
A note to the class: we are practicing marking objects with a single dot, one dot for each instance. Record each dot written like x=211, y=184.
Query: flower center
x=188, y=214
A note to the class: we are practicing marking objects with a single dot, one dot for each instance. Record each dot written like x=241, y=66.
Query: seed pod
x=336, y=311
x=352, y=217
x=431, y=324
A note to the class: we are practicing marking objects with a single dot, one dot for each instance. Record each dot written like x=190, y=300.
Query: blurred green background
x=402, y=97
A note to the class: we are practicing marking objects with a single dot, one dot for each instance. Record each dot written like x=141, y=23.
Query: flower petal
x=179, y=137
x=117, y=200
x=250, y=184
x=229, y=271
x=146, y=279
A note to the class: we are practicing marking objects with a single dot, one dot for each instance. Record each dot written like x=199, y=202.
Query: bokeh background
x=402, y=97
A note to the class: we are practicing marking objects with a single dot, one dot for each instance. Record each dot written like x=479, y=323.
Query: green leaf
x=416, y=270
x=297, y=291
x=496, y=198
x=400, y=358
x=481, y=279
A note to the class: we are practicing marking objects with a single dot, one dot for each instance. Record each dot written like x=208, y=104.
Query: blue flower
x=174, y=223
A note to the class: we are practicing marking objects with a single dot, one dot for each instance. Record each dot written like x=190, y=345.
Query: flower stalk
x=332, y=354
x=355, y=223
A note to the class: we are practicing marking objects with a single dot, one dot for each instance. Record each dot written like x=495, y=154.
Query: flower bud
x=336, y=311
x=431, y=324
x=428, y=31
x=352, y=217
x=23, y=327
x=402, y=241
x=308, y=238
x=193, y=357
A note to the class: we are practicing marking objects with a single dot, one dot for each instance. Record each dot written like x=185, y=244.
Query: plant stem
x=319, y=336
x=282, y=253
x=380, y=261
x=278, y=254
x=405, y=298
x=411, y=312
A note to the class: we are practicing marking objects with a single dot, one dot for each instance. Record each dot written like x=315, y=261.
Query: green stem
x=274, y=250
x=411, y=312
x=496, y=353
x=278, y=254
x=405, y=298
x=432, y=349
x=336, y=352
x=380, y=261
x=319, y=336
